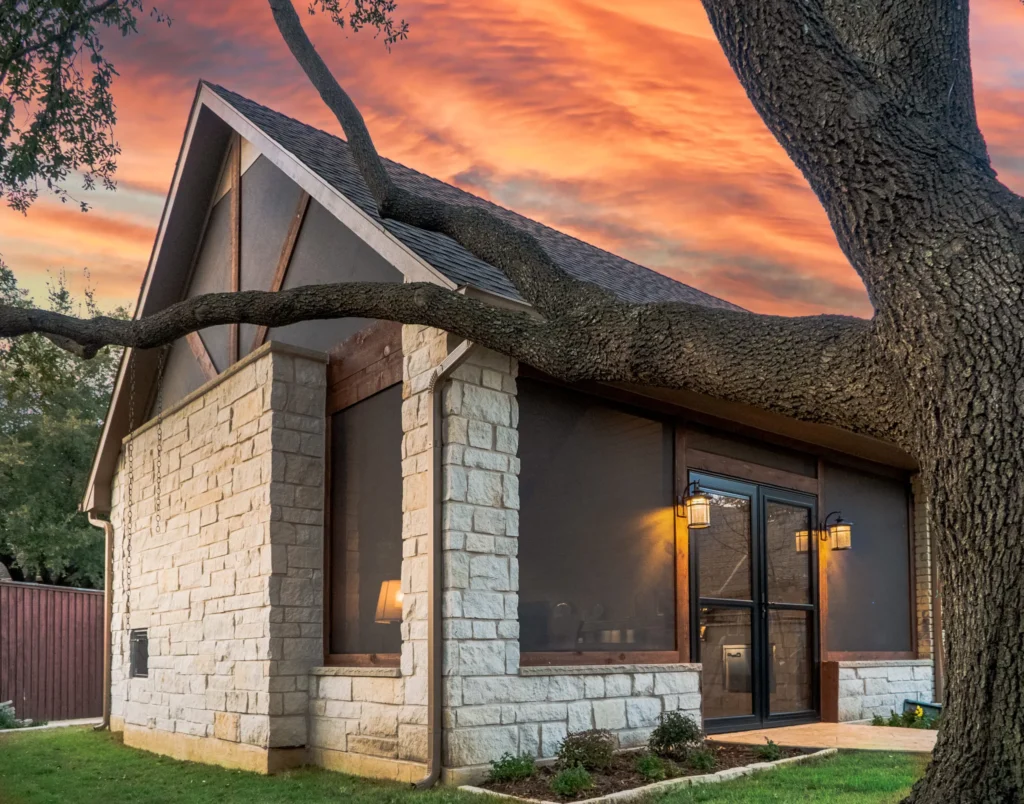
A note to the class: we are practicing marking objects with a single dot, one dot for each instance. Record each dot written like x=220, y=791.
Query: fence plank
x=51, y=650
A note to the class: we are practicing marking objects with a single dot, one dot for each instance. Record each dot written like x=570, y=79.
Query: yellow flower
x=919, y=712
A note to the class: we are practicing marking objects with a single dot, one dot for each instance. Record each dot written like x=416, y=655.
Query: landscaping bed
x=623, y=773
x=78, y=764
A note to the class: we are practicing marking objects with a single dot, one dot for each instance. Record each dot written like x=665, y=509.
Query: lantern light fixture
x=389, y=603
x=803, y=540
x=695, y=506
x=838, y=533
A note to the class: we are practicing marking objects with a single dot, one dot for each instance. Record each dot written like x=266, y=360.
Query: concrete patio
x=861, y=737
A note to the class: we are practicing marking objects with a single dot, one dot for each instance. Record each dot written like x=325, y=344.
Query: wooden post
x=830, y=692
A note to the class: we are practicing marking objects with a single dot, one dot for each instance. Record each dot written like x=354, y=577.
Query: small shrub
x=914, y=719
x=570, y=781
x=676, y=735
x=769, y=752
x=512, y=768
x=7, y=718
x=591, y=750
x=702, y=759
x=652, y=768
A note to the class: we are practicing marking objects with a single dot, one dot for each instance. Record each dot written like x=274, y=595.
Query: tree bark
x=978, y=514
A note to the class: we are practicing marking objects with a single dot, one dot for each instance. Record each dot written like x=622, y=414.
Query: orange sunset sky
x=618, y=122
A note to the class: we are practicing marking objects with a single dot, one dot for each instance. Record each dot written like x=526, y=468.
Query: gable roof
x=322, y=165
x=329, y=157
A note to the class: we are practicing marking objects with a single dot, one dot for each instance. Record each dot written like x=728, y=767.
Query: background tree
x=874, y=103
x=52, y=407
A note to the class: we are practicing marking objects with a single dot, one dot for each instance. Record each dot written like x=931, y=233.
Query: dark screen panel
x=366, y=521
x=869, y=584
x=213, y=275
x=182, y=375
x=597, y=529
x=326, y=252
x=269, y=200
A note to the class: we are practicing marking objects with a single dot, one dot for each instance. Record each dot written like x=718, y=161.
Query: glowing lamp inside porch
x=803, y=541
x=389, y=603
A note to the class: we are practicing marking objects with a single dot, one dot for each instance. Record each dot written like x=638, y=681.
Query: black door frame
x=758, y=606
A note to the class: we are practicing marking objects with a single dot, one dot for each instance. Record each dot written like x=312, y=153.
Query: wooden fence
x=51, y=651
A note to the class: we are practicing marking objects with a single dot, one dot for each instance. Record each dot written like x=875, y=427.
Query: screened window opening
x=597, y=528
x=138, y=653
x=366, y=526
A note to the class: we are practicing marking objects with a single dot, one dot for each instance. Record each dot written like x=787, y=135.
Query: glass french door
x=755, y=614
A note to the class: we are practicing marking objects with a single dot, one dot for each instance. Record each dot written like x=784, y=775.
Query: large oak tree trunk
x=976, y=483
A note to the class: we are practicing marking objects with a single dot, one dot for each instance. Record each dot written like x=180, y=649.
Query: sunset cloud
x=621, y=124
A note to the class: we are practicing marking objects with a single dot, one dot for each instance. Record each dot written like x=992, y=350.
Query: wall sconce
x=838, y=533
x=695, y=506
x=389, y=603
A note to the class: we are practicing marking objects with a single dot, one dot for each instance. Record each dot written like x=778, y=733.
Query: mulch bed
x=623, y=776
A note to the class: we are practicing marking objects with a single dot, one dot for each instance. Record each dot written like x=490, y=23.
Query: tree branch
x=897, y=161
x=821, y=369
x=56, y=36
x=481, y=232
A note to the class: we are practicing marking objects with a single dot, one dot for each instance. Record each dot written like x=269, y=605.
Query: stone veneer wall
x=491, y=704
x=230, y=586
x=867, y=689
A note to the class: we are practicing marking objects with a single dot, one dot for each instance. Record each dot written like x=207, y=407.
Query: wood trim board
x=195, y=343
x=367, y=362
x=869, y=655
x=284, y=260
x=236, y=237
x=830, y=692
x=559, y=658
x=753, y=472
x=362, y=659
x=682, y=551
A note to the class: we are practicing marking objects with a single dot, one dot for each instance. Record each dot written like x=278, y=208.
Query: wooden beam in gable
x=195, y=343
x=287, y=248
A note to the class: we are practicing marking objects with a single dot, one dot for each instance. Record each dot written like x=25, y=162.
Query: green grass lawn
x=79, y=765
x=851, y=777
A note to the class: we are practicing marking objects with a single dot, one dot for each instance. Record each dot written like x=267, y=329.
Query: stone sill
x=606, y=669
x=890, y=663
x=358, y=672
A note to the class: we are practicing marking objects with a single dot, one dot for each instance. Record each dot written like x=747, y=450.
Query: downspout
x=435, y=578
x=108, y=604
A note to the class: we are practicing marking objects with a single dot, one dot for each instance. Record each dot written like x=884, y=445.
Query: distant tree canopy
x=52, y=407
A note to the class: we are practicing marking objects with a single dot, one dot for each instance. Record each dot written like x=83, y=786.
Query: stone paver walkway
x=839, y=735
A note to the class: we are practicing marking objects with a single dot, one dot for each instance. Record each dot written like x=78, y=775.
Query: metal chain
x=159, y=438
x=129, y=509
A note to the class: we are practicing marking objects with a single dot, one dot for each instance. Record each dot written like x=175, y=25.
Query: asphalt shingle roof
x=329, y=156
